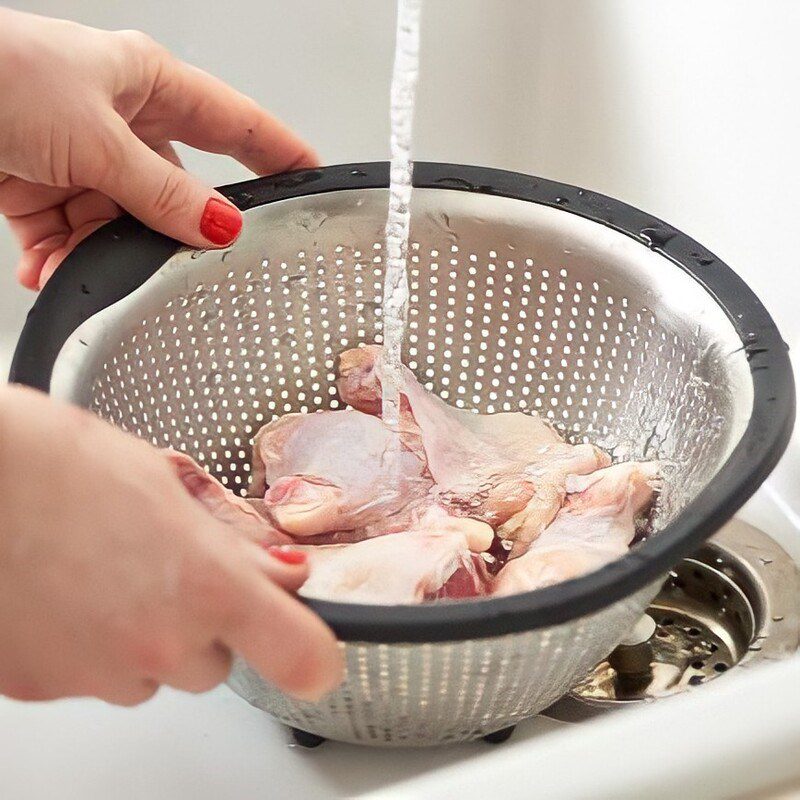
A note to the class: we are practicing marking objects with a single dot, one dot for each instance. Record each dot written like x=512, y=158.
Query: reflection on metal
x=734, y=603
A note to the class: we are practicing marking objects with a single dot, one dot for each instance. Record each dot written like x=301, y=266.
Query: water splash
x=395, y=291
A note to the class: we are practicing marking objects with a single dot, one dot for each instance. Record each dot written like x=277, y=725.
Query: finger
x=202, y=671
x=29, y=267
x=131, y=694
x=163, y=196
x=280, y=638
x=53, y=261
x=19, y=197
x=39, y=234
x=34, y=231
x=90, y=206
x=167, y=151
x=48, y=236
x=206, y=113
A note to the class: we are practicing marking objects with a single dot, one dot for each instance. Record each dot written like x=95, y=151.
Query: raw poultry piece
x=335, y=471
x=436, y=560
x=595, y=526
x=222, y=503
x=494, y=467
x=549, y=472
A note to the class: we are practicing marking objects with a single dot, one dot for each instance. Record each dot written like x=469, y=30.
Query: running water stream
x=395, y=286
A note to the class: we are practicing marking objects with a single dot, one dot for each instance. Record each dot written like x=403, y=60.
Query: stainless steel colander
x=525, y=294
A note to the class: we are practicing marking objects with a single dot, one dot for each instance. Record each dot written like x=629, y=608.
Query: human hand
x=114, y=580
x=87, y=118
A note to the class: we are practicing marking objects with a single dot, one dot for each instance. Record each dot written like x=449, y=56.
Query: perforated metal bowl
x=525, y=294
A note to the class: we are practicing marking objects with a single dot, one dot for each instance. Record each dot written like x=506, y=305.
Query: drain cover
x=735, y=601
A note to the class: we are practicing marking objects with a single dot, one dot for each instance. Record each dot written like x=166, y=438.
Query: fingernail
x=221, y=222
x=287, y=555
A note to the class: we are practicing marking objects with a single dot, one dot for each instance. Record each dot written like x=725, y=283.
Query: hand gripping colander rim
x=119, y=257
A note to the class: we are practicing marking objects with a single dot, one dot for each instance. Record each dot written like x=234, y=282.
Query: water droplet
x=703, y=260
x=241, y=199
x=656, y=237
x=457, y=182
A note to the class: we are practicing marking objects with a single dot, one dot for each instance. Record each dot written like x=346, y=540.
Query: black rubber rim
x=122, y=255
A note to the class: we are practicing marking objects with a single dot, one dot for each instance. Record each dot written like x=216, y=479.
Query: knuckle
x=159, y=655
x=25, y=690
x=209, y=677
x=138, y=41
x=103, y=161
x=136, y=695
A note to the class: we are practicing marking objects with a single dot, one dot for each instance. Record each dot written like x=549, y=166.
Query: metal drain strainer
x=735, y=602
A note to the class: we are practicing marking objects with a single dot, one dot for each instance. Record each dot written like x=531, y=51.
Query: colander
x=525, y=295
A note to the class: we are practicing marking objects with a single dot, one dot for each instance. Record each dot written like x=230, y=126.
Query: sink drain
x=734, y=602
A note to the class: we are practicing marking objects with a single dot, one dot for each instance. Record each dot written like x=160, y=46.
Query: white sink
x=726, y=739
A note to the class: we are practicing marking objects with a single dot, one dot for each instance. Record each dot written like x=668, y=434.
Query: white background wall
x=688, y=109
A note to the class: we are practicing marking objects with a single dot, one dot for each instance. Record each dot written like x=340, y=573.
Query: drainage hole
x=693, y=631
x=695, y=680
x=697, y=665
x=720, y=667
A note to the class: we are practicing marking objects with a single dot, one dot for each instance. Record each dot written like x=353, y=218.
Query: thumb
x=279, y=637
x=164, y=196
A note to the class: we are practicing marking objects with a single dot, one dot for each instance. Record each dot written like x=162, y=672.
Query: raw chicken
x=335, y=471
x=405, y=515
x=223, y=503
x=435, y=560
x=550, y=472
x=595, y=526
x=494, y=467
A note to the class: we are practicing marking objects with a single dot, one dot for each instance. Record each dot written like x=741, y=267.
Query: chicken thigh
x=595, y=526
x=334, y=471
x=435, y=560
x=507, y=468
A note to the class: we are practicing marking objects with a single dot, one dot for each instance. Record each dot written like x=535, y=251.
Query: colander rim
x=83, y=287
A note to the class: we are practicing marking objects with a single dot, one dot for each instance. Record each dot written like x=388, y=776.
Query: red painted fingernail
x=293, y=557
x=221, y=222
